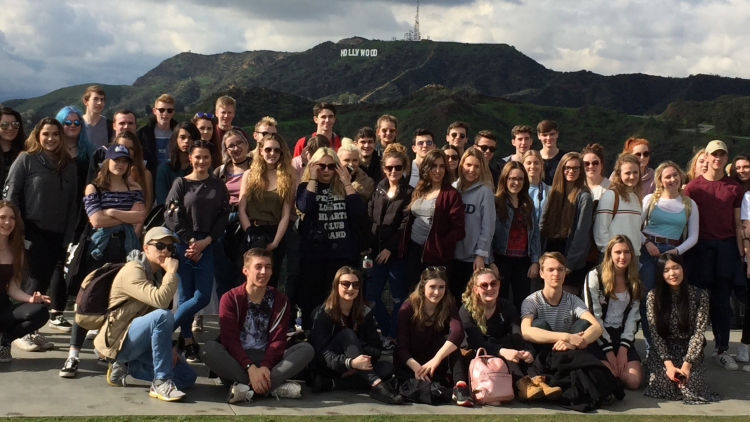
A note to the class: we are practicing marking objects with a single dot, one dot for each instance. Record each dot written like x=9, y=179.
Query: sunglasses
x=591, y=163
x=398, y=167
x=330, y=167
x=387, y=130
x=262, y=133
x=452, y=157
x=486, y=148
x=161, y=246
x=575, y=169
x=491, y=285
x=269, y=150
x=68, y=122
x=644, y=154
x=425, y=143
x=13, y=125
x=455, y=135
x=347, y=284
x=439, y=269
x=168, y=110
x=209, y=115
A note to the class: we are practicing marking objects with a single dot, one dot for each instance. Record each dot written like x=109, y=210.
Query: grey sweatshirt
x=46, y=198
x=479, y=223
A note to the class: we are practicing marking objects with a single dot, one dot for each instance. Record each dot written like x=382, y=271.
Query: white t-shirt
x=597, y=191
x=414, y=176
x=616, y=310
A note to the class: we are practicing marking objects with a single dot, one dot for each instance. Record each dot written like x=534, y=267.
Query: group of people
x=530, y=257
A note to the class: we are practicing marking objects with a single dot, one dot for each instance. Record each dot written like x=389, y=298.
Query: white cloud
x=45, y=45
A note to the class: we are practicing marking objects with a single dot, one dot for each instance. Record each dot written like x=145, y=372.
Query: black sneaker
x=5, y=355
x=70, y=368
x=192, y=352
x=321, y=384
x=58, y=322
x=388, y=346
x=462, y=395
x=386, y=394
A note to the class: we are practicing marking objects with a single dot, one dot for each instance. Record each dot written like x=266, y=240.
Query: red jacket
x=232, y=313
x=335, y=144
x=447, y=229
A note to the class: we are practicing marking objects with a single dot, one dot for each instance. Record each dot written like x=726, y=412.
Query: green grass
x=395, y=418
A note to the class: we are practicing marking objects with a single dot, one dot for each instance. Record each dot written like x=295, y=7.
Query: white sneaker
x=742, y=354
x=240, y=393
x=91, y=335
x=746, y=368
x=727, y=361
x=288, y=390
x=42, y=342
x=197, y=326
x=715, y=352
x=26, y=343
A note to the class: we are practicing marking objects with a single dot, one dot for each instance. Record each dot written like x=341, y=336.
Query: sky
x=46, y=45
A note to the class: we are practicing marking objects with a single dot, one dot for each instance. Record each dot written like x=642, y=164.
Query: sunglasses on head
x=347, y=284
x=397, y=167
x=269, y=150
x=161, y=246
x=68, y=122
x=13, y=125
x=209, y=115
x=644, y=154
x=330, y=167
x=591, y=163
x=489, y=285
x=168, y=110
x=486, y=148
x=455, y=135
x=439, y=269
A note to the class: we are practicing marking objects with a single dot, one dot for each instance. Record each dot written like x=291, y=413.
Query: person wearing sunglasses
x=565, y=226
x=324, y=116
x=475, y=249
x=386, y=130
x=77, y=144
x=516, y=244
x=520, y=138
x=389, y=213
x=454, y=157
x=642, y=149
x=331, y=208
x=251, y=354
x=423, y=142
x=457, y=135
x=178, y=165
x=207, y=123
x=137, y=337
x=42, y=183
x=12, y=137
x=369, y=162
x=266, y=198
x=347, y=343
x=156, y=133
x=263, y=127
x=430, y=334
x=197, y=211
x=98, y=128
x=486, y=141
x=493, y=323
x=114, y=205
x=593, y=166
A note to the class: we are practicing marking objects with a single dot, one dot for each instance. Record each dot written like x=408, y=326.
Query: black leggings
x=347, y=343
x=46, y=250
x=460, y=273
x=19, y=319
x=455, y=362
x=316, y=284
x=513, y=272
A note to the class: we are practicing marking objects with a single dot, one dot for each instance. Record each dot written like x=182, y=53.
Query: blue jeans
x=194, y=290
x=394, y=272
x=648, y=276
x=147, y=350
x=223, y=264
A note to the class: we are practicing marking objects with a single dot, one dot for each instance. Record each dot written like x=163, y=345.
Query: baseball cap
x=159, y=233
x=716, y=145
x=116, y=151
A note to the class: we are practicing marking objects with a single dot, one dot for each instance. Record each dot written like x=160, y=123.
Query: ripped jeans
x=393, y=272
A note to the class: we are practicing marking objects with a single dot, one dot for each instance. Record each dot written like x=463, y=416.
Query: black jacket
x=148, y=139
x=324, y=329
x=503, y=330
x=373, y=170
x=389, y=215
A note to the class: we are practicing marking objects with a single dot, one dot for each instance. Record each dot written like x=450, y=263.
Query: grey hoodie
x=140, y=257
x=479, y=214
x=46, y=198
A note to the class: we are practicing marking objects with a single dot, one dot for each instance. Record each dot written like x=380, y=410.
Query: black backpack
x=92, y=302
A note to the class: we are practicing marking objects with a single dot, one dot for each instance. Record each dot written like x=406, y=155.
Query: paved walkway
x=30, y=386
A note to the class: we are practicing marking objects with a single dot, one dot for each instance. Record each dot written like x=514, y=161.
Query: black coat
x=389, y=216
x=324, y=329
x=374, y=170
x=148, y=138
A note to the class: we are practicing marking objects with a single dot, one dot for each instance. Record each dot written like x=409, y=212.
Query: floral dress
x=679, y=347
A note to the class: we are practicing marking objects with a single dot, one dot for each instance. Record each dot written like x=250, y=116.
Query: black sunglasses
x=330, y=167
x=168, y=110
x=452, y=157
x=13, y=125
x=68, y=122
x=486, y=148
x=353, y=284
x=644, y=154
x=161, y=246
x=269, y=150
x=455, y=135
x=397, y=167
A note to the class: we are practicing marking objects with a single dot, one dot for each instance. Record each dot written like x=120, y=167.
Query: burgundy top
x=422, y=345
x=716, y=202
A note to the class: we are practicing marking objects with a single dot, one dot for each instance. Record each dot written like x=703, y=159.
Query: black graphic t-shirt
x=254, y=333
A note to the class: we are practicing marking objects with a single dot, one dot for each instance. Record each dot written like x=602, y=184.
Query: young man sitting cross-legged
x=253, y=320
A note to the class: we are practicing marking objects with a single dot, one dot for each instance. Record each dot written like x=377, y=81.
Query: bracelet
x=346, y=186
x=313, y=180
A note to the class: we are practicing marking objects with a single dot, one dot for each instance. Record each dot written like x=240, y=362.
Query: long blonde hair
x=558, y=214
x=635, y=288
x=257, y=181
x=485, y=176
x=337, y=186
x=660, y=189
x=417, y=299
x=618, y=185
x=692, y=163
x=473, y=302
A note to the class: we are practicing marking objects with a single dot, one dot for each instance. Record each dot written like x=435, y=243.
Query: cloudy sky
x=45, y=45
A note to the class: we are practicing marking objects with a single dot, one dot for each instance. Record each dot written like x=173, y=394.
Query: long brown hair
x=33, y=144
x=635, y=288
x=502, y=197
x=417, y=299
x=424, y=185
x=485, y=176
x=15, y=243
x=103, y=179
x=597, y=150
x=473, y=302
x=558, y=214
x=285, y=177
x=618, y=185
x=332, y=305
x=137, y=169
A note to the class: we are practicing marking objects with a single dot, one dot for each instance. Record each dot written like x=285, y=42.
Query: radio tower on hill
x=414, y=34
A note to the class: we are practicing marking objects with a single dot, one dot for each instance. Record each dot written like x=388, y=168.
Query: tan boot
x=527, y=390
x=550, y=393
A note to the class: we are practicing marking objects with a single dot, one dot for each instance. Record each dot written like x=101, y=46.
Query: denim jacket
x=502, y=230
x=100, y=238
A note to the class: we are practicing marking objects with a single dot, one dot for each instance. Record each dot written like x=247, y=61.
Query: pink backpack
x=491, y=383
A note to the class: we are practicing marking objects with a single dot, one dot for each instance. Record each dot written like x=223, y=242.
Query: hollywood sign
x=356, y=52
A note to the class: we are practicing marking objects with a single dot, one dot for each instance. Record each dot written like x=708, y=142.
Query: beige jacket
x=135, y=284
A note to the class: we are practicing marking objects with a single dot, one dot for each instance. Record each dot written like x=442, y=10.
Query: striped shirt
x=122, y=201
x=560, y=317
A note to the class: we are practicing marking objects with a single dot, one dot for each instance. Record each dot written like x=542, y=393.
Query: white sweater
x=626, y=221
